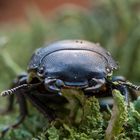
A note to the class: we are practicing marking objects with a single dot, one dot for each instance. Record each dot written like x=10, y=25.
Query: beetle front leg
x=9, y=107
x=21, y=79
x=124, y=90
x=23, y=113
x=45, y=110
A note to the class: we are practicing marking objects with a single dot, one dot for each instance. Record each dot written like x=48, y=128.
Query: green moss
x=90, y=127
x=118, y=117
x=93, y=123
x=123, y=123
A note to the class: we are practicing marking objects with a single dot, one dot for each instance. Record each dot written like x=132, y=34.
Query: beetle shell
x=74, y=61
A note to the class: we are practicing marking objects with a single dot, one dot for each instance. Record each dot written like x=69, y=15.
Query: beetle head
x=55, y=85
x=52, y=84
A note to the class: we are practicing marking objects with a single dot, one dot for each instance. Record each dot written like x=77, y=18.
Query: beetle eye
x=108, y=70
x=40, y=72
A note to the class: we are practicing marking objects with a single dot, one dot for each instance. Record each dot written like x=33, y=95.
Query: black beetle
x=65, y=64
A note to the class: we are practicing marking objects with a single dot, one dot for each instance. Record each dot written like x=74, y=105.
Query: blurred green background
x=115, y=24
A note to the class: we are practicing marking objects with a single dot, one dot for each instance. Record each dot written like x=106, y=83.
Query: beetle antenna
x=13, y=90
x=20, y=87
x=130, y=85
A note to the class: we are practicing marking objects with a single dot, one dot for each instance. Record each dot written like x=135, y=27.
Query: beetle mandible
x=65, y=64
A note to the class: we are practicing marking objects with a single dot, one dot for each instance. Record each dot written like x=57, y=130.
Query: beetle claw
x=96, y=84
x=54, y=85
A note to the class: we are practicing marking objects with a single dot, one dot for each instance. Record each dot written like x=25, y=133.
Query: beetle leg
x=21, y=101
x=10, y=103
x=45, y=110
x=96, y=84
x=15, y=82
x=124, y=90
x=9, y=107
x=126, y=94
x=23, y=113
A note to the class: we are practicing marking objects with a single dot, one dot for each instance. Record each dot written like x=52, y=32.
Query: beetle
x=63, y=64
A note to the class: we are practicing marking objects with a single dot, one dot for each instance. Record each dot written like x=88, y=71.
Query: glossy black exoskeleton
x=65, y=64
